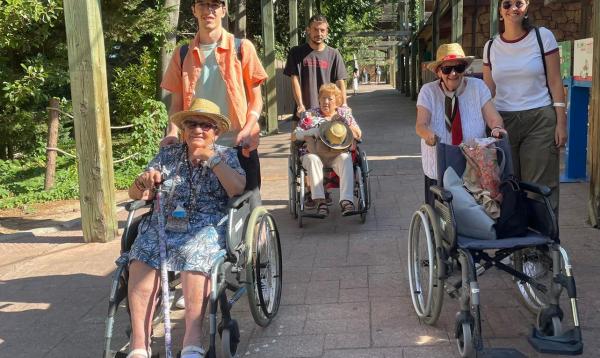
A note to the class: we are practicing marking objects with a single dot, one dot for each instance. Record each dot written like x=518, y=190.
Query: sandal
x=192, y=352
x=140, y=352
x=347, y=207
x=322, y=209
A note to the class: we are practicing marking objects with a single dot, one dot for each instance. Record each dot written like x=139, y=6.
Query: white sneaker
x=180, y=303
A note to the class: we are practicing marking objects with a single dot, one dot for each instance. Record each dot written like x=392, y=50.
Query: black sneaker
x=309, y=203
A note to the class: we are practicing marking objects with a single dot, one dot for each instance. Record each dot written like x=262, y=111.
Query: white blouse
x=471, y=100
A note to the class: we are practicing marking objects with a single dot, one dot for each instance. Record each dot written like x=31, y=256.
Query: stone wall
x=562, y=18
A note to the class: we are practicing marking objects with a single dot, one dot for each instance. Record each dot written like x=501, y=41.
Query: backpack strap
x=183, y=50
x=539, y=40
x=489, y=51
x=238, y=48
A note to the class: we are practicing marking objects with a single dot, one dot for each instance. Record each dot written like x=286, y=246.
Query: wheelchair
x=297, y=176
x=441, y=261
x=251, y=264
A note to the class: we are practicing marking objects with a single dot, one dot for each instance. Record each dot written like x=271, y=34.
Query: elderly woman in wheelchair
x=452, y=240
x=328, y=132
x=201, y=233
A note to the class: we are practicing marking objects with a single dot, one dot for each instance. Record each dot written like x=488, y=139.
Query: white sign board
x=582, y=59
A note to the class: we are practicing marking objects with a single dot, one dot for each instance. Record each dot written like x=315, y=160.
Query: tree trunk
x=169, y=44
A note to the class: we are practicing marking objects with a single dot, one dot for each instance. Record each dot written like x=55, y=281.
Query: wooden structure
x=269, y=62
x=594, y=129
x=87, y=67
x=52, y=142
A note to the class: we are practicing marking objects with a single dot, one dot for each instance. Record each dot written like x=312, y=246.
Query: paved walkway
x=345, y=288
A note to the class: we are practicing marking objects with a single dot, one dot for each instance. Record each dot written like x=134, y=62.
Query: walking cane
x=164, y=280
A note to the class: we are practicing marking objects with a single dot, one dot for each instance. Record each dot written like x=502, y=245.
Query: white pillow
x=471, y=218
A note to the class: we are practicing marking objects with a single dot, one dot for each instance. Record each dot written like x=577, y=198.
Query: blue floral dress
x=200, y=193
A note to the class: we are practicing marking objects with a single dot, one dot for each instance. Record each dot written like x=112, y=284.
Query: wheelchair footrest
x=314, y=216
x=568, y=343
x=355, y=212
x=500, y=353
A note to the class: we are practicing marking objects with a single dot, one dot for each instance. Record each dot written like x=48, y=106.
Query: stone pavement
x=345, y=288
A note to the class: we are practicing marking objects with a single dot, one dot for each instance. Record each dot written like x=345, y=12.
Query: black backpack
x=513, y=220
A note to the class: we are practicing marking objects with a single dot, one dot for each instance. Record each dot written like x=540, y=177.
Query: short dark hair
x=317, y=18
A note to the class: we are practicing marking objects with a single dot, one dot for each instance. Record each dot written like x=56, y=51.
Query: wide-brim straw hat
x=335, y=134
x=205, y=109
x=449, y=52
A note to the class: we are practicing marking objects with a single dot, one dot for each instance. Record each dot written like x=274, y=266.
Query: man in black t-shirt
x=313, y=64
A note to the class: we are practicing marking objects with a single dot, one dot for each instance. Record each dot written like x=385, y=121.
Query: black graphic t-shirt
x=314, y=68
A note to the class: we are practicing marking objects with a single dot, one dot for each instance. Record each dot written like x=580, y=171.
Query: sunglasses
x=518, y=4
x=460, y=68
x=205, y=126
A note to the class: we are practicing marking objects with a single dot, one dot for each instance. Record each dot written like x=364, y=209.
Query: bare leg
x=142, y=290
x=196, y=290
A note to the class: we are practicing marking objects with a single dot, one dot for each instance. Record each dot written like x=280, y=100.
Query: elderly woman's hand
x=148, y=179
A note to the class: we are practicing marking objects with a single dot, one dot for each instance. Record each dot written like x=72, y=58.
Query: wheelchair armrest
x=237, y=201
x=136, y=204
x=441, y=193
x=535, y=188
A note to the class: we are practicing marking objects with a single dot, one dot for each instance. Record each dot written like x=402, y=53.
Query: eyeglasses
x=460, y=68
x=205, y=126
x=518, y=4
x=210, y=5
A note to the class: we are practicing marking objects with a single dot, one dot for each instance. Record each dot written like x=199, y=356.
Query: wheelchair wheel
x=361, y=194
x=292, y=186
x=230, y=338
x=364, y=166
x=263, y=268
x=426, y=288
x=537, y=264
x=300, y=198
x=464, y=340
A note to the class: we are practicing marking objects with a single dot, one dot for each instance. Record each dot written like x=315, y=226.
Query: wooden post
x=166, y=50
x=240, y=18
x=457, y=21
x=269, y=61
x=309, y=5
x=493, y=19
x=594, y=134
x=435, y=31
x=293, y=10
x=53, y=118
x=87, y=68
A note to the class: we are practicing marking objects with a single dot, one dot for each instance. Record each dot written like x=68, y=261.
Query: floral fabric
x=205, y=239
x=313, y=117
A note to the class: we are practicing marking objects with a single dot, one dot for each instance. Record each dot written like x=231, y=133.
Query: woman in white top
x=453, y=109
x=529, y=97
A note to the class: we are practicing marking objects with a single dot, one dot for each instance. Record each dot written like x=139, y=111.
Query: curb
x=52, y=229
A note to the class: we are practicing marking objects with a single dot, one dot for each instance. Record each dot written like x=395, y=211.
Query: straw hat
x=203, y=108
x=449, y=52
x=335, y=134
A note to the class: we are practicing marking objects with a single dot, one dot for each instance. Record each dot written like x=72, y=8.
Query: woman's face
x=328, y=104
x=451, y=73
x=513, y=10
x=199, y=132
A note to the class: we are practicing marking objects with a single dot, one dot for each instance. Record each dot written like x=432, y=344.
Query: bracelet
x=560, y=104
x=255, y=113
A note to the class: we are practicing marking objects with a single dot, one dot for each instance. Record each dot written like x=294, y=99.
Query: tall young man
x=313, y=64
x=213, y=69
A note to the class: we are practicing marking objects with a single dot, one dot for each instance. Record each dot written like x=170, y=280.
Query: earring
x=526, y=16
x=501, y=18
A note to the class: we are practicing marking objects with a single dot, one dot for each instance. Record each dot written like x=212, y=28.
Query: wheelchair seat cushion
x=471, y=218
x=532, y=239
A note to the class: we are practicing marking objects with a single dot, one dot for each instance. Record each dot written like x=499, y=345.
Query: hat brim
x=323, y=128
x=433, y=65
x=221, y=121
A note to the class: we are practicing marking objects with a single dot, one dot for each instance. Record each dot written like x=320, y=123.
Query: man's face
x=209, y=13
x=317, y=32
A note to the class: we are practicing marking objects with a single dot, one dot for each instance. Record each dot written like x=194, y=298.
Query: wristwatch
x=213, y=161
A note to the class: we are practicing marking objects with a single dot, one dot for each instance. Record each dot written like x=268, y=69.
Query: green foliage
x=131, y=85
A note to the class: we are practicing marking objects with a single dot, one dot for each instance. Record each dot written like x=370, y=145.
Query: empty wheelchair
x=440, y=261
x=251, y=264
x=297, y=176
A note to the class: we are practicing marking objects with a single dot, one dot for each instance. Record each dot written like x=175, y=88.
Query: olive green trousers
x=534, y=152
